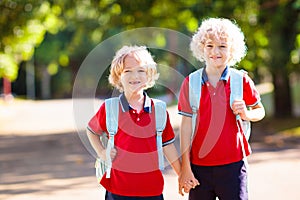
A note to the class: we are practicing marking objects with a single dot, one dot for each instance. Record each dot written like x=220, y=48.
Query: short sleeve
x=184, y=107
x=97, y=124
x=251, y=95
x=168, y=135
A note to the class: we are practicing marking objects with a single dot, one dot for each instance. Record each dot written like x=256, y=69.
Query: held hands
x=186, y=181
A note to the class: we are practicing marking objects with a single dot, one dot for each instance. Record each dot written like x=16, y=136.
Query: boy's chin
x=136, y=89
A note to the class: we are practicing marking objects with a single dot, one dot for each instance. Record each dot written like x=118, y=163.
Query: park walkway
x=42, y=157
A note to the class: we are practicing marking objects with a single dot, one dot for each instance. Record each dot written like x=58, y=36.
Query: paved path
x=42, y=157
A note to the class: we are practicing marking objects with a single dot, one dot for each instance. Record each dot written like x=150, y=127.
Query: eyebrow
x=222, y=43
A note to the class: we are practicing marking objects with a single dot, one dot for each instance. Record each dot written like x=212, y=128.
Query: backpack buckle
x=194, y=109
x=159, y=133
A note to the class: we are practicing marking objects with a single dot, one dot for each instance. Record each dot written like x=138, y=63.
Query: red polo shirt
x=135, y=169
x=216, y=140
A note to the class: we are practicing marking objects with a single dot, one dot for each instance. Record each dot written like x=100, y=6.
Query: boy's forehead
x=130, y=57
x=216, y=40
x=216, y=34
x=132, y=60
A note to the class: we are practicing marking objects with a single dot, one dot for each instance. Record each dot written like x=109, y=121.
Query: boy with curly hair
x=213, y=163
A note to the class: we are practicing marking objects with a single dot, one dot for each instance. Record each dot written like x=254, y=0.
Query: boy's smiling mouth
x=134, y=82
x=215, y=57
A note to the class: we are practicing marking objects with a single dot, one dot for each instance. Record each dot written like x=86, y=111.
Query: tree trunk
x=282, y=36
x=46, y=84
x=7, y=89
x=30, y=80
x=282, y=94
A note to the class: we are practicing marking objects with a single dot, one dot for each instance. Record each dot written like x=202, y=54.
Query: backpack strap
x=236, y=86
x=195, y=86
x=112, y=116
x=236, y=93
x=160, y=123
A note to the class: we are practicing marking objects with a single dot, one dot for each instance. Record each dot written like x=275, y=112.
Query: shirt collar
x=224, y=76
x=126, y=107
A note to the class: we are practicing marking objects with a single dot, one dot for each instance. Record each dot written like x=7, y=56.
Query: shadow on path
x=51, y=162
x=27, y=163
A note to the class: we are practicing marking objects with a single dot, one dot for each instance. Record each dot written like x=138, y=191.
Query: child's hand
x=186, y=181
x=188, y=186
x=239, y=108
x=113, y=154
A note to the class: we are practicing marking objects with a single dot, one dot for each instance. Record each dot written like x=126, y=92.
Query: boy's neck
x=215, y=71
x=136, y=101
x=214, y=74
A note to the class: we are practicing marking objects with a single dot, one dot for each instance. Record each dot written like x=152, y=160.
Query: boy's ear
x=120, y=86
x=231, y=54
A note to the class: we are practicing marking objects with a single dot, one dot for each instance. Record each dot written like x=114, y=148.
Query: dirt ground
x=43, y=156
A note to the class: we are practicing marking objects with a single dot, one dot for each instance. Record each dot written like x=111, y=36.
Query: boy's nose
x=135, y=74
x=215, y=50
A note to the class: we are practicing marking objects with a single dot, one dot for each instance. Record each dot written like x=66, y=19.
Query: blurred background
x=43, y=44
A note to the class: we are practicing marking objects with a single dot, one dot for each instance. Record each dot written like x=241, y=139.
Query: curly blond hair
x=220, y=28
x=142, y=55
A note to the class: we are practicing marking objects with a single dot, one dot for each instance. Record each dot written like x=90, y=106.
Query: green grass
x=291, y=132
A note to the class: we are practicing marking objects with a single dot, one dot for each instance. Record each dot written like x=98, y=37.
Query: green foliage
x=8, y=66
x=60, y=34
x=23, y=26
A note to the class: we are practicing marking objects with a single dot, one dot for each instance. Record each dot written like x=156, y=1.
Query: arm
x=173, y=158
x=255, y=113
x=186, y=175
x=98, y=147
x=185, y=141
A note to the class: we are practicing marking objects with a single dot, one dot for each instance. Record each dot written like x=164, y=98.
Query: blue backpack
x=112, y=114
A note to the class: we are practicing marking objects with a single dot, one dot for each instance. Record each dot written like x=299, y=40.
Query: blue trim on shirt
x=93, y=132
x=185, y=114
x=168, y=142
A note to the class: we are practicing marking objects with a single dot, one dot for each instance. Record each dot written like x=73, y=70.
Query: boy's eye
x=141, y=70
x=209, y=45
x=223, y=46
